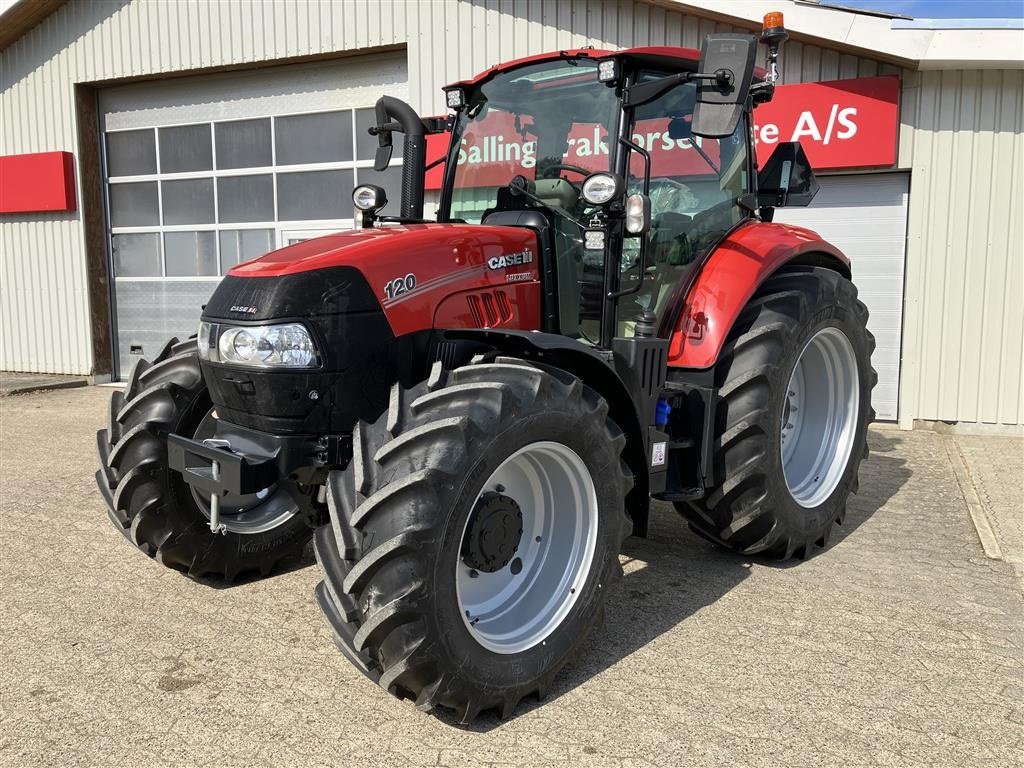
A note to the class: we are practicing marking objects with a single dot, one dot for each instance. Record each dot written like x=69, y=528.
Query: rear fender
x=730, y=276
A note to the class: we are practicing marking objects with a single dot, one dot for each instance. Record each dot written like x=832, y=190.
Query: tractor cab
x=553, y=137
x=630, y=166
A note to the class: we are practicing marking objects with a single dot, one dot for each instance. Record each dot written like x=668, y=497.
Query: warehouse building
x=148, y=145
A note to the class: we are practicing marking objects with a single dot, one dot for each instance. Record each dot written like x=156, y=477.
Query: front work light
x=608, y=70
x=593, y=239
x=638, y=214
x=369, y=198
x=455, y=98
x=287, y=345
x=601, y=188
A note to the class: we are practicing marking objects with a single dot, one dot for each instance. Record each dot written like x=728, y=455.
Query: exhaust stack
x=395, y=115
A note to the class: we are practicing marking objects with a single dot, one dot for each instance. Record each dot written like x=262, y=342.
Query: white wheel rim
x=819, y=417
x=510, y=612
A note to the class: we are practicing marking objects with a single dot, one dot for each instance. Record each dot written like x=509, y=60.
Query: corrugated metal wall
x=964, y=319
x=963, y=346
x=43, y=292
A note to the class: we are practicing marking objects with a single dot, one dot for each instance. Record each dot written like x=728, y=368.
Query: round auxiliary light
x=369, y=197
x=601, y=188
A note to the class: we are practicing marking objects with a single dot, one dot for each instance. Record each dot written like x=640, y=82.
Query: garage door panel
x=885, y=291
x=204, y=172
x=887, y=338
x=149, y=312
x=865, y=216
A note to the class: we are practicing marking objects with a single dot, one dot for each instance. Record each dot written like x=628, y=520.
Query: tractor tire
x=155, y=508
x=420, y=558
x=795, y=381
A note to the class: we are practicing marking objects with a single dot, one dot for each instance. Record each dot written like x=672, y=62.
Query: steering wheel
x=565, y=167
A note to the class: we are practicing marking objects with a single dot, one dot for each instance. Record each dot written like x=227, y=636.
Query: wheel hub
x=494, y=531
x=527, y=547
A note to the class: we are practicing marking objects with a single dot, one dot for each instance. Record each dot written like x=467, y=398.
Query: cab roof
x=662, y=56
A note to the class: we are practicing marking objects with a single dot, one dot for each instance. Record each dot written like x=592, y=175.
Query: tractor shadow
x=673, y=574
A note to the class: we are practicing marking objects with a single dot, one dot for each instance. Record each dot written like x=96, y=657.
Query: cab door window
x=694, y=185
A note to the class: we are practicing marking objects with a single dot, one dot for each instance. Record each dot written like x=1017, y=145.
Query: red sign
x=42, y=181
x=498, y=148
x=839, y=124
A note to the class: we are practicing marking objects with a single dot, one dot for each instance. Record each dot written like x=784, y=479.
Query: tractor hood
x=435, y=248
x=408, y=270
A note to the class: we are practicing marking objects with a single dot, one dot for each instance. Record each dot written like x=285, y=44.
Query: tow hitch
x=213, y=467
x=216, y=526
x=239, y=462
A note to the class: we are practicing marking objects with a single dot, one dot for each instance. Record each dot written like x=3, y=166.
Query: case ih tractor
x=469, y=415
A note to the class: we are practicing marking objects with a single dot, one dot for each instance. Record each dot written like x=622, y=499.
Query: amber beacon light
x=772, y=24
x=773, y=35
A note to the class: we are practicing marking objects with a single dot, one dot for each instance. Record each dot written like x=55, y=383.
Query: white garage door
x=204, y=172
x=866, y=217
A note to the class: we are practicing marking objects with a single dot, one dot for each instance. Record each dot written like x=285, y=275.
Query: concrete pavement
x=899, y=645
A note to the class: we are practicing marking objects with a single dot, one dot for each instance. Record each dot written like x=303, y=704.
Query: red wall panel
x=42, y=181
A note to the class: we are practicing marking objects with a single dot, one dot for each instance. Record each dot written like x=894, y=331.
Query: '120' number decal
x=400, y=285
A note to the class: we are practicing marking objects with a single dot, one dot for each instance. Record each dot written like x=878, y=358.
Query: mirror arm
x=641, y=93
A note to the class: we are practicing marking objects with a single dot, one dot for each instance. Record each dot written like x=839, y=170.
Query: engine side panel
x=412, y=269
x=731, y=275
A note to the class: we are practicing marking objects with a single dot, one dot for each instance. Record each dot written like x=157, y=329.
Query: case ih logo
x=517, y=259
x=244, y=310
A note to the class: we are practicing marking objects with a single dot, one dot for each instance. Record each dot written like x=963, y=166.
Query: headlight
x=288, y=345
x=601, y=188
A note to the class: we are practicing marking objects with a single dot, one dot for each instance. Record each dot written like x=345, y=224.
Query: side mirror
x=787, y=178
x=726, y=70
x=383, y=132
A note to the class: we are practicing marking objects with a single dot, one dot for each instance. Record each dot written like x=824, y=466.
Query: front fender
x=596, y=372
x=729, y=277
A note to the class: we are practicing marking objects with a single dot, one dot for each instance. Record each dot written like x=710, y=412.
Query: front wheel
x=475, y=534
x=795, y=381
x=157, y=510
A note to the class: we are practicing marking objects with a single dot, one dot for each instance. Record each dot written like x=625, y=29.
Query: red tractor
x=469, y=415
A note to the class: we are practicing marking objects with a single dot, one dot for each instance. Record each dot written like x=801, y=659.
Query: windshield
x=543, y=122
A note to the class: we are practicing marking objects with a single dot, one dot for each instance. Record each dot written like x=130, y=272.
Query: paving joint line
x=977, y=511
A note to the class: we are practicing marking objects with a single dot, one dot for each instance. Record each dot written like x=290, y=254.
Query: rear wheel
x=795, y=382
x=156, y=509
x=474, y=535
